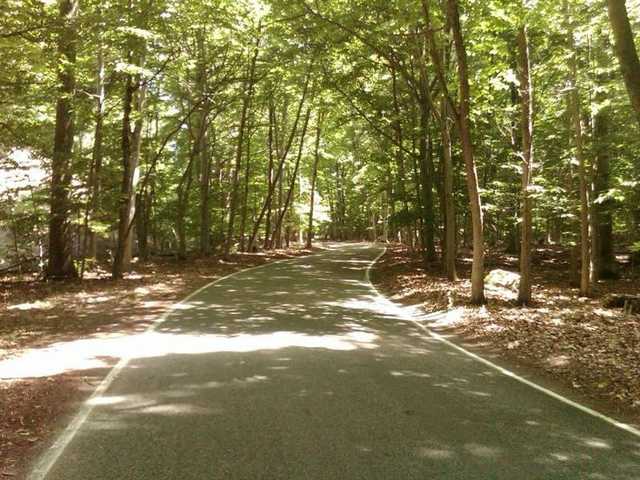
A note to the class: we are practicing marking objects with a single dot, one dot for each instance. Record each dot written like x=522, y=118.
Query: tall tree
x=464, y=127
x=314, y=178
x=583, y=188
x=626, y=52
x=526, y=122
x=60, y=264
x=450, y=229
x=135, y=91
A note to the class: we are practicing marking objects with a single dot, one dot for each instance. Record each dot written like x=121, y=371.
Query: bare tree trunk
x=626, y=51
x=427, y=172
x=399, y=154
x=183, y=203
x=450, y=243
x=464, y=127
x=143, y=207
x=602, y=232
x=314, y=177
x=245, y=196
x=427, y=168
x=60, y=264
x=205, y=194
x=388, y=193
x=89, y=248
x=585, y=223
x=133, y=106
x=602, y=206
x=276, y=236
x=270, y=182
x=526, y=122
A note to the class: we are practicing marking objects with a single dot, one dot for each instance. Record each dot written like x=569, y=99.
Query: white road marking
x=623, y=426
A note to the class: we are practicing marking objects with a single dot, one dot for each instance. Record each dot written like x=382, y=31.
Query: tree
x=464, y=127
x=314, y=177
x=132, y=128
x=526, y=122
x=60, y=264
x=626, y=52
x=583, y=188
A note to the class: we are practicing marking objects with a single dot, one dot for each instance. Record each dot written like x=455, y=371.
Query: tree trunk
x=133, y=107
x=270, y=183
x=89, y=248
x=143, y=207
x=182, y=208
x=60, y=264
x=626, y=51
x=245, y=196
x=603, y=258
x=314, y=177
x=574, y=102
x=399, y=154
x=385, y=214
x=427, y=171
x=464, y=127
x=526, y=115
x=450, y=243
x=205, y=194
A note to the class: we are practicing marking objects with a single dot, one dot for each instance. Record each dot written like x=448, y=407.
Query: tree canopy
x=146, y=127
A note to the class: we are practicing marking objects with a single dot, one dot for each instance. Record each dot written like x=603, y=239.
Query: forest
x=490, y=147
x=156, y=127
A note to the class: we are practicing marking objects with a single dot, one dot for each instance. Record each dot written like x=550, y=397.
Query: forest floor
x=36, y=315
x=590, y=349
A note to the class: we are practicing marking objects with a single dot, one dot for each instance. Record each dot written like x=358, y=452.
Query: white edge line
x=53, y=453
x=623, y=426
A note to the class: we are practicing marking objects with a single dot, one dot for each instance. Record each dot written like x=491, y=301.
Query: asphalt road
x=299, y=370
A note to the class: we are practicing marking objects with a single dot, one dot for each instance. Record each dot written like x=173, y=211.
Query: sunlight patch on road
x=37, y=305
x=373, y=304
x=95, y=352
x=435, y=453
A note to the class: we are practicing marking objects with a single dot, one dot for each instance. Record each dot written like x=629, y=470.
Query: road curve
x=300, y=370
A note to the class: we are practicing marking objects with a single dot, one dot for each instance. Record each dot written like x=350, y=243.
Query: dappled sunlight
x=598, y=443
x=162, y=404
x=374, y=304
x=37, y=305
x=483, y=451
x=409, y=373
x=435, y=453
x=98, y=352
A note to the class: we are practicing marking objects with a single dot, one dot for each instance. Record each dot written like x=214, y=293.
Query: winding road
x=301, y=370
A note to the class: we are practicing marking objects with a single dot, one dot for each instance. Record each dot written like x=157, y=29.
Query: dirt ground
x=589, y=348
x=35, y=315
